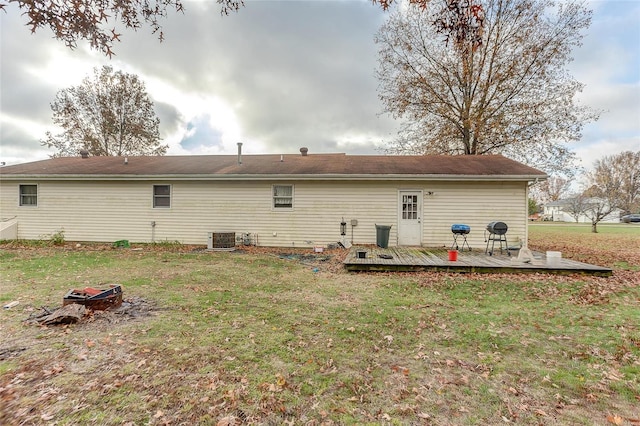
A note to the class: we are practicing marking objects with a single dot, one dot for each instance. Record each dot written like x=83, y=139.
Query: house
x=567, y=209
x=555, y=211
x=297, y=200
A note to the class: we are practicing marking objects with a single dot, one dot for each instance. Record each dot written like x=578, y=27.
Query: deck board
x=436, y=259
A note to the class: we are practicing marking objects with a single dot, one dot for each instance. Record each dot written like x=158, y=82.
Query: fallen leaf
x=226, y=421
x=281, y=381
x=615, y=419
x=614, y=375
x=540, y=412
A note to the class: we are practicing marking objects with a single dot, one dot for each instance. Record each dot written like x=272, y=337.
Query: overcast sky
x=281, y=75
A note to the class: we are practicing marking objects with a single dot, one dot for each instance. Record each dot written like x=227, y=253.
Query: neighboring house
x=566, y=211
x=274, y=200
x=555, y=211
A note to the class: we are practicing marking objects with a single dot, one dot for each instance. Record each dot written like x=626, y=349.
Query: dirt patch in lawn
x=132, y=308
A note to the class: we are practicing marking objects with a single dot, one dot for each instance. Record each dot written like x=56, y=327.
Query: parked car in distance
x=630, y=218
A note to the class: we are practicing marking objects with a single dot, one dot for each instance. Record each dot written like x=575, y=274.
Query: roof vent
x=304, y=151
x=84, y=153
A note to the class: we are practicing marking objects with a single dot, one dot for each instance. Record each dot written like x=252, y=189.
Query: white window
x=28, y=195
x=410, y=207
x=283, y=196
x=161, y=196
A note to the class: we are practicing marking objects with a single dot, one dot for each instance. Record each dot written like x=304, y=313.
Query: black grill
x=497, y=232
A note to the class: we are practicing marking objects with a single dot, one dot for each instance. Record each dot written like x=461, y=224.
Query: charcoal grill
x=460, y=231
x=497, y=232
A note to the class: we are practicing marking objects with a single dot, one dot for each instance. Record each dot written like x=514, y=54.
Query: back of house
x=288, y=200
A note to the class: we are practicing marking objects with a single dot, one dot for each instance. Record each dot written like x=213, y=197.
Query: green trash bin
x=382, y=235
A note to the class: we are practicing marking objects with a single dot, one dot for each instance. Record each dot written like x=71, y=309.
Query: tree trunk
x=594, y=228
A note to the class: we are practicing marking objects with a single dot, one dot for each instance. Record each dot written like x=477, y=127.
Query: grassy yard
x=615, y=245
x=279, y=337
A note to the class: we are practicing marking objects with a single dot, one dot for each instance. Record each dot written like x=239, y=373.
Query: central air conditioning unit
x=221, y=241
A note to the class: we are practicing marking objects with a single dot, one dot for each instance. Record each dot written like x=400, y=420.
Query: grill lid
x=458, y=228
x=498, y=228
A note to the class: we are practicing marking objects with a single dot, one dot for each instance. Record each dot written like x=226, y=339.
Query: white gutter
x=279, y=177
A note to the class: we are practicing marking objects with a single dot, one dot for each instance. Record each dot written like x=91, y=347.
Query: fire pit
x=460, y=230
x=96, y=299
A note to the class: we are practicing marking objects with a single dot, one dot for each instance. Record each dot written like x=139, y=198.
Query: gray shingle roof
x=273, y=165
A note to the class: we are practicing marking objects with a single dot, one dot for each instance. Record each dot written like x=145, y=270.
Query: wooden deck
x=409, y=259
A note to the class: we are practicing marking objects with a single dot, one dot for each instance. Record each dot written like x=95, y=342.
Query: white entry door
x=410, y=218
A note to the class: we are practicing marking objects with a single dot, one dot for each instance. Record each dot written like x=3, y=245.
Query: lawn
x=282, y=337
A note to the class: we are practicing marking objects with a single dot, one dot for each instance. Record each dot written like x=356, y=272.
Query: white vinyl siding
x=474, y=204
x=108, y=211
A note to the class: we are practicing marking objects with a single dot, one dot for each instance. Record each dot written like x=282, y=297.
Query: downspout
x=526, y=204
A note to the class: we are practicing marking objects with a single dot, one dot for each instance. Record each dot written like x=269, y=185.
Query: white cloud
x=280, y=75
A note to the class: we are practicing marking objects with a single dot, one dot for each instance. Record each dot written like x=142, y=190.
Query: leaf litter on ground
x=425, y=362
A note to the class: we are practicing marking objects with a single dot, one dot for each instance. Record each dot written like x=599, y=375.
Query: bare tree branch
x=94, y=20
x=615, y=179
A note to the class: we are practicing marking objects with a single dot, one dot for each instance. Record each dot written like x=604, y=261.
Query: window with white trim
x=283, y=197
x=161, y=196
x=29, y=195
x=410, y=207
